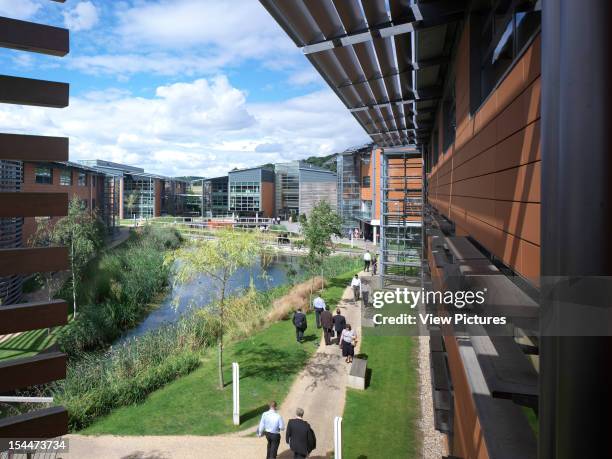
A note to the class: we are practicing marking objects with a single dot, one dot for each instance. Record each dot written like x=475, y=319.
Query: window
x=65, y=177
x=93, y=203
x=498, y=38
x=44, y=175
x=449, y=123
x=365, y=181
x=82, y=179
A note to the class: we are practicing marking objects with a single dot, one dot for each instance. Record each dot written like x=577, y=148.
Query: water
x=201, y=291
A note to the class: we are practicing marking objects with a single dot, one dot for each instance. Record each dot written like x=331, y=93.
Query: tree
x=318, y=230
x=81, y=232
x=131, y=201
x=219, y=259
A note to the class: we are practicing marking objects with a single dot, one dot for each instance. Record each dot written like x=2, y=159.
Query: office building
x=299, y=186
x=251, y=192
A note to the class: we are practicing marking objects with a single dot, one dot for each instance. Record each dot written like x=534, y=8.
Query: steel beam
x=575, y=371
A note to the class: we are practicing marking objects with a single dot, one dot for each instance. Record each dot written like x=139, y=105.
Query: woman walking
x=349, y=340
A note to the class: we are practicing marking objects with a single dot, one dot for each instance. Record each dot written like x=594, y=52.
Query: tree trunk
x=221, y=332
x=74, y=302
x=220, y=362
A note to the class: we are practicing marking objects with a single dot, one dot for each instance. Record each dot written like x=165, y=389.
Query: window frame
x=481, y=48
x=38, y=176
x=63, y=175
x=84, y=176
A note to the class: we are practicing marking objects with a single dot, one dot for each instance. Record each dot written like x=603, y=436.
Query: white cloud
x=190, y=38
x=19, y=9
x=82, y=17
x=203, y=127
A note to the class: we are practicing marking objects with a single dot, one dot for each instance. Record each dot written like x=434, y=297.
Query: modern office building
x=474, y=90
x=299, y=186
x=214, y=196
x=140, y=194
x=85, y=183
x=251, y=192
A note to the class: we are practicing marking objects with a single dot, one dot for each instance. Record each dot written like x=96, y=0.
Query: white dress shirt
x=356, y=282
x=318, y=303
x=271, y=422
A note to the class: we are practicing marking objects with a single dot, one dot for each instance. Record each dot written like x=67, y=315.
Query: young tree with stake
x=219, y=259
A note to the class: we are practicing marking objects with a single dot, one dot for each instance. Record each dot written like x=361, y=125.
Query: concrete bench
x=357, y=375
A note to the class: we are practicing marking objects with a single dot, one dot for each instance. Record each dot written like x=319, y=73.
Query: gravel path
x=319, y=390
x=433, y=443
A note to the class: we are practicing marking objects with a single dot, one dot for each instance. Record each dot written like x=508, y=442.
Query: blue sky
x=178, y=86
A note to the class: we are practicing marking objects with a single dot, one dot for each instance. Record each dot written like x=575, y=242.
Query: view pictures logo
x=459, y=298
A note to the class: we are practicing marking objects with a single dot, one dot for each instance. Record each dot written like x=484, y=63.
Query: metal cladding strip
x=20, y=204
x=33, y=147
x=32, y=316
x=27, y=91
x=32, y=371
x=24, y=261
x=46, y=423
x=38, y=38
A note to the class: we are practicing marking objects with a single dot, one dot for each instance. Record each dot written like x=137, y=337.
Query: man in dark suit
x=327, y=322
x=300, y=436
x=339, y=324
x=299, y=321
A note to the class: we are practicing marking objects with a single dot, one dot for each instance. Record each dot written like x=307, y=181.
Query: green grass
x=27, y=344
x=193, y=405
x=381, y=422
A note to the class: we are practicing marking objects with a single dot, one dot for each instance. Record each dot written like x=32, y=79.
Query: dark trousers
x=318, y=317
x=356, y=293
x=273, y=442
x=327, y=332
x=298, y=456
x=366, y=265
x=338, y=334
x=364, y=298
x=299, y=334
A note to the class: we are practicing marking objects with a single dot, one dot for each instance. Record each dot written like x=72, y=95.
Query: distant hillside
x=326, y=162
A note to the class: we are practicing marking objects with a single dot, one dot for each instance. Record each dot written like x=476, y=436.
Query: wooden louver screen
x=18, y=260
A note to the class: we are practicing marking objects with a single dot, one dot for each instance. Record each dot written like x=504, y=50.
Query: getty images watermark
x=413, y=298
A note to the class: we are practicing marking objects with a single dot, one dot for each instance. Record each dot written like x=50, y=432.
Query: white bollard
x=236, y=392
x=338, y=437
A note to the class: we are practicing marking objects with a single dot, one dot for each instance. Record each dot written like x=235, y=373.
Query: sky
x=179, y=87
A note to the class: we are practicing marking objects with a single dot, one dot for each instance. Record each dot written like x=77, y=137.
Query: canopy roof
x=385, y=59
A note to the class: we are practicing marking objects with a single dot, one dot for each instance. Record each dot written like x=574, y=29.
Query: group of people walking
x=334, y=327
x=299, y=435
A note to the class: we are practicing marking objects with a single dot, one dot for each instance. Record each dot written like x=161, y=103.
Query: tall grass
x=99, y=382
x=124, y=282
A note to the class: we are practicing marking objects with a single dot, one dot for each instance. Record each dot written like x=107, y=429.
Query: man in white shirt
x=319, y=307
x=367, y=259
x=271, y=425
x=356, y=284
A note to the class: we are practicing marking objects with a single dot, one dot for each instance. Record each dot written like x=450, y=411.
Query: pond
x=202, y=290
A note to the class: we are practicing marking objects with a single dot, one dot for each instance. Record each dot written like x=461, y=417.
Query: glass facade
x=349, y=183
x=245, y=197
x=138, y=196
x=287, y=190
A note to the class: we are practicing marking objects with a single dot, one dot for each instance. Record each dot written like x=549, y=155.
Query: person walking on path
x=349, y=340
x=319, y=307
x=300, y=437
x=339, y=324
x=356, y=284
x=367, y=259
x=374, y=265
x=271, y=425
x=300, y=323
x=365, y=293
x=327, y=321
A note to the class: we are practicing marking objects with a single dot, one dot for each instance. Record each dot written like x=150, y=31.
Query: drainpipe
x=576, y=232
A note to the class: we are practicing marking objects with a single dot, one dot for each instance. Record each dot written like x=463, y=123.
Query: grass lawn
x=269, y=362
x=193, y=404
x=381, y=422
x=27, y=344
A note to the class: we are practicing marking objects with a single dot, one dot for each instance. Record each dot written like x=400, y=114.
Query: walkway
x=319, y=390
